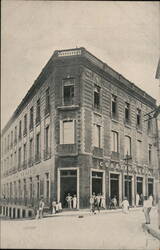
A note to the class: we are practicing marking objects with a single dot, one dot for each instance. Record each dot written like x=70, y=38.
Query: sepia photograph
x=80, y=125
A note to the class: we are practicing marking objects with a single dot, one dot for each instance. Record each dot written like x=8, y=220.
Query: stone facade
x=79, y=167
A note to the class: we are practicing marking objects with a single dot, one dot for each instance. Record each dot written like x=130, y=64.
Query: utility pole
x=128, y=157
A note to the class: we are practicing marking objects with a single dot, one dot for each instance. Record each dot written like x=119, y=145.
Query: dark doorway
x=14, y=213
x=139, y=185
x=23, y=213
x=97, y=182
x=128, y=189
x=7, y=211
x=68, y=184
x=10, y=211
x=150, y=186
x=114, y=186
x=18, y=213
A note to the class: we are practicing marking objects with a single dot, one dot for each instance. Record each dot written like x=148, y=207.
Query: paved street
x=100, y=231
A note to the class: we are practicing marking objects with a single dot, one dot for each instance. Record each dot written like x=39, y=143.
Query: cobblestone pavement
x=100, y=231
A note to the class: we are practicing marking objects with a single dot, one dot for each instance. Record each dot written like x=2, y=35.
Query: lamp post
x=128, y=157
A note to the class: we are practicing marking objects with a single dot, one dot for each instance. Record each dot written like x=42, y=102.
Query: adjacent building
x=72, y=132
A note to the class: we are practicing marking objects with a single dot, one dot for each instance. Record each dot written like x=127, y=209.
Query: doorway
x=114, y=186
x=139, y=185
x=68, y=184
x=128, y=189
x=150, y=186
x=97, y=182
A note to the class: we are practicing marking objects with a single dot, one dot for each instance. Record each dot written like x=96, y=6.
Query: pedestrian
x=53, y=207
x=125, y=205
x=60, y=206
x=69, y=201
x=91, y=201
x=147, y=206
x=40, y=209
x=137, y=200
x=97, y=202
x=114, y=202
x=57, y=207
x=102, y=201
x=74, y=202
x=141, y=199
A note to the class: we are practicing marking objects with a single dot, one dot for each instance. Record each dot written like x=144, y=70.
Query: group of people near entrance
x=96, y=202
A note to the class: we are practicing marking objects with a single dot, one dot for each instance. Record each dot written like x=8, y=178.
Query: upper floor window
x=8, y=142
x=114, y=106
x=150, y=153
x=11, y=139
x=68, y=92
x=114, y=141
x=47, y=138
x=149, y=125
x=47, y=107
x=47, y=185
x=31, y=118
x=97, y=96
x=20, y=129
x=127, y=146
x=97, y=136
x=25, y=125
x=127, y=112
x=24, y=153
x=19, y=158
x=139, y=150
x=15, y=134
x=138, y=118
x=38, y=111
x=37, y=157
x=67, y=133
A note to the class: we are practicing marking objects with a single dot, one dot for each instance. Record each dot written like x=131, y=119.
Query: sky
x=125, y=35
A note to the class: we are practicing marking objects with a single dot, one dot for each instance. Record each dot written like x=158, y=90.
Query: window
x=114, y=106
x=19, y=189
x=38, y=147
x=5, y=145
x=24, y=154
x=68, y=132
x=149, y=125
x=47, y=185
x=150, y=153
x=38, y=111
x=127, y=112
x=31, y=152
x=11, y=139
x=127, y=145
x=15, y=135
x=114, y=141
x=138, y=118
x=47, y=137
x=24, y=188
x=31, y=119
x=139, y=150
x=25, y=125
x=11, y=164
x=8, y=143
x=97, y=136
x=19, y=158
x=68, y=91
x=11, y=190
x=15, y=159
x=38, y=187
x=30, y=188
x=47, y=107
x=96, y=97
x=20, y=129
x=15, y=189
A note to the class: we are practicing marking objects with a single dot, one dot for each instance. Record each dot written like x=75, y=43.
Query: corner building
x=72, y=132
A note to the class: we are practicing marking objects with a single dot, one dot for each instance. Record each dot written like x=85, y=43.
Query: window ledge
x=115, y=120
x=69, y=107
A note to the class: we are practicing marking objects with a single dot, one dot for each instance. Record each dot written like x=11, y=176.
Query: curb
x=151, y=231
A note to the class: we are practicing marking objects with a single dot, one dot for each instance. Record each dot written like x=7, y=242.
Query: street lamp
x=128, y=157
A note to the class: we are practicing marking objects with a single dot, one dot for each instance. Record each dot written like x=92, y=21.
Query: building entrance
x=128, y=189
x=97, y=182
x=114, y=186
x=68, y=184
x=150, y=186
x=139, y=185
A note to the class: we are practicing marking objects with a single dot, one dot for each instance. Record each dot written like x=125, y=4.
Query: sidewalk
x=153, y=227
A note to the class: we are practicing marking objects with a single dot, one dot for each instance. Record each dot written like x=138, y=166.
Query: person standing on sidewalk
x=125, y=205
x=147, y=206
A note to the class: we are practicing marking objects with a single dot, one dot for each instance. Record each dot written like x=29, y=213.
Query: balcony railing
x=47, y=154
x=24, y=164
x=37, y=158
x=38, y=119
x=67, y=149
x=31, y=162
x=25, y=132
x=47, y=110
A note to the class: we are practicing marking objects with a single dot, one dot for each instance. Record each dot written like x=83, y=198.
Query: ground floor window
x=150, y=186
x=128, y=188
x=114, y=187
x=97, y=182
